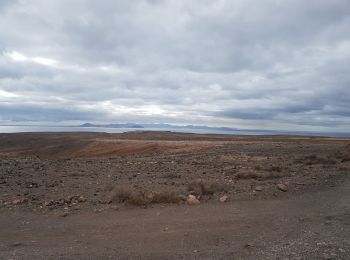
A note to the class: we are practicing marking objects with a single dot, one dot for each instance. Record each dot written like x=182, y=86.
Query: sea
x=27, y=128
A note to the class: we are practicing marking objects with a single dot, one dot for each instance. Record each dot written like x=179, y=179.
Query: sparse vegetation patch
x=201, y=187
x=124, y=195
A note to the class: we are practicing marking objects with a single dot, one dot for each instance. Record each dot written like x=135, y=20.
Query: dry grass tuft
x=201, y=187
x=313, y=159
x=124, y=195
x=121, y=195
x=343, y=156
x=164, y=197
x=138, y=200
x=347, y=159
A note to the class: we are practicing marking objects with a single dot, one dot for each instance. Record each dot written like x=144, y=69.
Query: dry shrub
x=137, y=200
x=164, y=197
x=121, y=195
x=345, y=159
x=143, y=198
x=248, y=175
x=259, y=175
x=195, y=186
x=109, y=187
x=343, y=156
x=271, y=175
x=201, y=187
x=257, y=168
x=275, y=169
x=327, y=161
x=313, y=159
x=299, y=160
x=346, y=154
x=171, y=175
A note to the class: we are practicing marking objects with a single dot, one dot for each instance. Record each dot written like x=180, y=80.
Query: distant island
x=127, y=125
x=158, y=126
x=210, y=129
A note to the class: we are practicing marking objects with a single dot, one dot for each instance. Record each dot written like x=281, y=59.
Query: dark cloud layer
x=242, y=63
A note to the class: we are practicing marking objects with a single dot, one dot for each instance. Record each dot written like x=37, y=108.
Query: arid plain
x=165, y=195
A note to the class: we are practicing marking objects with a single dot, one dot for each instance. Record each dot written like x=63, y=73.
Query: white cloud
x=16, y=56
x=19, y=57
x=44, y=61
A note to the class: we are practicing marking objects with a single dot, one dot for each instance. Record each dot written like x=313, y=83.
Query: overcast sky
x=266, y=64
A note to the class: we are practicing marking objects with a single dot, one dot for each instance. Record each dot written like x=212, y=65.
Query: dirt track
x=57, y=195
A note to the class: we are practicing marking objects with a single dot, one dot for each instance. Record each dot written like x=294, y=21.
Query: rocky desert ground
x=164, y=195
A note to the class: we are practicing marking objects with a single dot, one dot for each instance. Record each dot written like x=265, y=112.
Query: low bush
x=121, y=195
x=124, y=195
x=313, y=159
x=202, y=187
x=259, y=175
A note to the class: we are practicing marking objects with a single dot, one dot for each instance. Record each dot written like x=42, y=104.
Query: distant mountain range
x=209, y=129
x=158, y=126
x=127, y=125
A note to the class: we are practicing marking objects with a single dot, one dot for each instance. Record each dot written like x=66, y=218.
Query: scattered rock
x=301, y=219
x=81, y=199
x=192, y=200
x=248, y=245
x=182, y=197
x=282, y=187
x=64, y=214
x=75, y=199
x=16, y=244
x=223, y=198
x=17, y=201
x=258, y=188
x=115, y=207
x=32, y=185
x=54, y=204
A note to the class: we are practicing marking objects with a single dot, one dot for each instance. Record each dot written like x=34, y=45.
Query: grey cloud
x=6, y=3
x=24, y=113
x=209, y=62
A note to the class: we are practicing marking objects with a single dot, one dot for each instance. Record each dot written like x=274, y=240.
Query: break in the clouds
x=269, y=64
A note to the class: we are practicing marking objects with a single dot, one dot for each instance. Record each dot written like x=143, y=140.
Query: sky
x=252, y=64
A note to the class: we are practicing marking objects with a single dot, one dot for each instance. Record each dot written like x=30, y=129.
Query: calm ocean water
x=21, y=129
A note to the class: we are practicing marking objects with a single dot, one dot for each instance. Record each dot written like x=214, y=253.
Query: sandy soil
x=126, y=196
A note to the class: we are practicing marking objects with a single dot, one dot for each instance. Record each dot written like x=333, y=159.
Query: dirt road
x=312, y=226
